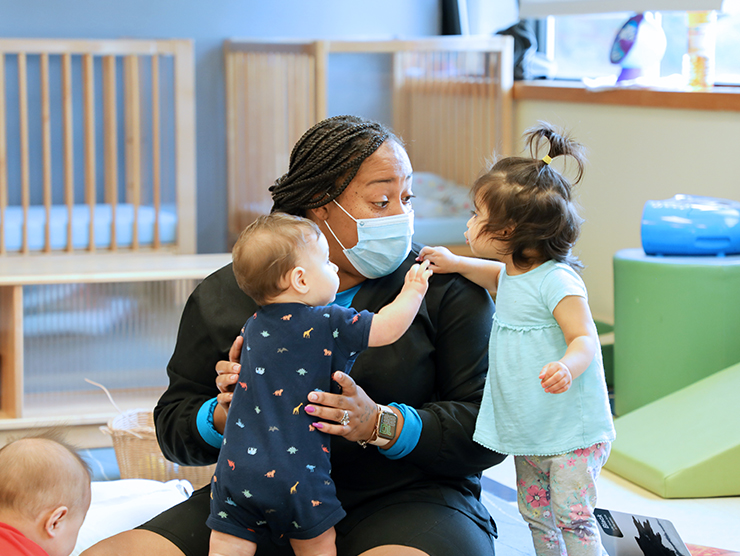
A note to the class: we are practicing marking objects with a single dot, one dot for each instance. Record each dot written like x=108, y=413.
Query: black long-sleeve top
x=438, y=367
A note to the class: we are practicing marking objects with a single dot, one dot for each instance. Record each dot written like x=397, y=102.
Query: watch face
x=387, y=427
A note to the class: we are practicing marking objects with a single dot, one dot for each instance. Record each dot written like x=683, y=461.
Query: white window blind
x=543, y=8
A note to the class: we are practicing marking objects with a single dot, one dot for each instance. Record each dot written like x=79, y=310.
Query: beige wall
x=634, y=155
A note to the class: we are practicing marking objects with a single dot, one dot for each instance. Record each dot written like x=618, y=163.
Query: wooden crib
x=451, y=104
x=97, y=225
x=96, y=145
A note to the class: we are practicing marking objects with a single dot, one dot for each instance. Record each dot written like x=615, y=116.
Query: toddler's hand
x=555, y=378
x=443, y=261
x=417, y=278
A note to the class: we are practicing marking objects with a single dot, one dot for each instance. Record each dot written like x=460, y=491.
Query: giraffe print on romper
x=267, y=332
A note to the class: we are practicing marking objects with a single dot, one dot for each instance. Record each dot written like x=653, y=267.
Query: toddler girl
x=545, y=400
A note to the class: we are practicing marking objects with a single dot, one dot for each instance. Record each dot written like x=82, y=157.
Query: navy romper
x=273, y=472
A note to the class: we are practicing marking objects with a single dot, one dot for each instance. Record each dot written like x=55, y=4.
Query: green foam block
x=676, y=321
x=685, y=445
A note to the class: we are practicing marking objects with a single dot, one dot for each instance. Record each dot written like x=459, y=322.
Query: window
x=580, y=45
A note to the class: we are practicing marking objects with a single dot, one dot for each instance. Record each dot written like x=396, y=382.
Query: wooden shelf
x=718, y=98
x=140, y=267
x=22, y=410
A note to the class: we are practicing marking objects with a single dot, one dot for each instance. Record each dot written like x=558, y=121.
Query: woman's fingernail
x=318, y=425
x=310, y=409
x=313, y=397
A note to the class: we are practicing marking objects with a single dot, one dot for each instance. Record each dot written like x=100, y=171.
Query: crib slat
x=280, y=92
x=251, y=173
x=25, y=169
x=69, y=193
x=89, y=108
x=156, y=161
x=185, y=144
x=133, y=141
x=321, y=54
x=232, y=107
x=46, y=147
x=110, y=127
x=254, y=109
x=3, y=158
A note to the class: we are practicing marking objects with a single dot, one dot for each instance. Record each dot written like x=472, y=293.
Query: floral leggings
x=557, y=496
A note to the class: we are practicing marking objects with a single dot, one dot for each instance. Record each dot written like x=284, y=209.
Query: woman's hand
x=361, y=410
x=226, y=379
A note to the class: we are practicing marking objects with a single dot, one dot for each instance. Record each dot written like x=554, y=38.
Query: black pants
x=431, y=528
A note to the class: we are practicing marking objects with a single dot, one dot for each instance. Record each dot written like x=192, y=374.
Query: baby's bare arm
x=390, y=323
x=574, y=317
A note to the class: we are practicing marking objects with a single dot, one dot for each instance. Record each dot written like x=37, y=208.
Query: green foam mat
x=685, y=445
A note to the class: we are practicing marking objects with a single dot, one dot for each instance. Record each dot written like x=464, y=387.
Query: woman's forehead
x=390, y=161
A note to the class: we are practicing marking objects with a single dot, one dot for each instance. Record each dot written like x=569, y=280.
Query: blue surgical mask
x=382, y=243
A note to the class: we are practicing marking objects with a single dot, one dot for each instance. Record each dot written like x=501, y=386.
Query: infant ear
x=298, y=280
x=54, y=520
x=506, y=232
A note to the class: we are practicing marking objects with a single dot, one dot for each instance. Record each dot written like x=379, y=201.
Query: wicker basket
x=139, y=455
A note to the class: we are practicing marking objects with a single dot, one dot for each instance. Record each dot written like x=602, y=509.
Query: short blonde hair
x=267, y=250
x=41, y=472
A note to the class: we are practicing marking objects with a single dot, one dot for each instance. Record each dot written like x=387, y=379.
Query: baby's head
x=44, y=492
x=528, y=203
x=281, y=255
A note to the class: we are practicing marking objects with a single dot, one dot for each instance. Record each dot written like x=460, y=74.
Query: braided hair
x=325, y=160
x=533, y=198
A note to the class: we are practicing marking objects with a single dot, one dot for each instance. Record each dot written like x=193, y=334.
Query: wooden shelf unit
x=16, y=273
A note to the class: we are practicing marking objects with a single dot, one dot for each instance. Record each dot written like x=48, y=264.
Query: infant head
x=281, y=258
x=44, y=492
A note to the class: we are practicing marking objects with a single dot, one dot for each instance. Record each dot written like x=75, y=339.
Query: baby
x=44, y=497
x=273, y=473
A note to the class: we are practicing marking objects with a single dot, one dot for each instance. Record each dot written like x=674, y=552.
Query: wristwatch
x=385, y=428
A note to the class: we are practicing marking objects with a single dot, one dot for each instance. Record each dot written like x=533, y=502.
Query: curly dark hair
x=325, y=160
x=530, y=196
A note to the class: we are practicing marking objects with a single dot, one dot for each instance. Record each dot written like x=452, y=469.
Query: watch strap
x=375, y=438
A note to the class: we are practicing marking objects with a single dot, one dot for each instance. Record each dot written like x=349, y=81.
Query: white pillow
x=118, y=506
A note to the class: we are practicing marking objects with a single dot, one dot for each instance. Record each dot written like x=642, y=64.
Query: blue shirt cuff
x=410, y=433
x=204, y=422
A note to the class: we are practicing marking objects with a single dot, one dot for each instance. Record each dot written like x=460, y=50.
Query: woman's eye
x=381, y=204
x=473, y=214
x=407, y=200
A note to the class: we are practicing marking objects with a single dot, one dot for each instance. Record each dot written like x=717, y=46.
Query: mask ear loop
x=343, y=210
x=332, y=231
x=335, y=235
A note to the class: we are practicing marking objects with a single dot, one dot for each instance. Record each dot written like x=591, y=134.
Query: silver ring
x=345, y=418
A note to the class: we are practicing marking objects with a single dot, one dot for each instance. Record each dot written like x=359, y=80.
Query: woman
x=417, y=494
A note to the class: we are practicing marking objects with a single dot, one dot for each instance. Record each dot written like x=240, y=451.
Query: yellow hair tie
x=547, y=159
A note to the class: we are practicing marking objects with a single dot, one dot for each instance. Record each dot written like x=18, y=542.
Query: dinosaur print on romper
x=273, y=475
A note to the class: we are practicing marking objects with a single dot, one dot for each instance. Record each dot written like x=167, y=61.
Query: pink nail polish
x=310, y=409
x=318, y=425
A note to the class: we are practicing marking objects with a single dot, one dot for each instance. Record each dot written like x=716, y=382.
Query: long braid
x=325, y=160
